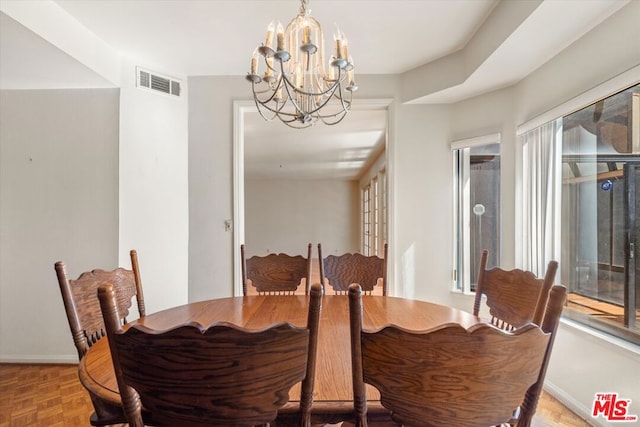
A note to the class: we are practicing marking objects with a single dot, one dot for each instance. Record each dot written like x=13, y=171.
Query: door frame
x=240, y=108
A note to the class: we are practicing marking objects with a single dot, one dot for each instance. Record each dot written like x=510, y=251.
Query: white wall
x=210, y=184
x=58, y=202
x=423, y=203
x=286, y=215
x=86, y=176
x=154, y=207
x=585, y=362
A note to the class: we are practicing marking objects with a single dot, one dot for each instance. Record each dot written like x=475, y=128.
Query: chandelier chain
x=303, y=6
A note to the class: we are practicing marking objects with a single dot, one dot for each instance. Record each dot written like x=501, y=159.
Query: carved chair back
x=514, y=297
x=219, y=375
x=85, y=319
x=343, y=270
x=81, y=302
x=517, y=297
x=276, y=274
x=445, y=376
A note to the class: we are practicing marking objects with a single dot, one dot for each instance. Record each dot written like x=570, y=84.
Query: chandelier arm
x=329, y=93
x=284, y=81
x=262, y=105
x=258, y=106
x=293, y=121
x=344, y=114
x=322, y=93
x=341, y=98
x=338, y=81
x=277, y=112
x=269, y=99
x=288, y=84
x=296, y=122
x=326, y=101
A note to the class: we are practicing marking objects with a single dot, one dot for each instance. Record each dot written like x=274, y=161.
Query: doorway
x=243, y=123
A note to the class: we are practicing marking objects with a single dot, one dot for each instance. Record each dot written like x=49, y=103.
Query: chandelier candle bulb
x=306, y=35
x=254, y=62
x=338, y=43
x=345, y=48
x=280, y=38
x=269, y=40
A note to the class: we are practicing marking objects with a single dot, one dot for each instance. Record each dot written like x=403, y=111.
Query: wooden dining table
x=333, y=392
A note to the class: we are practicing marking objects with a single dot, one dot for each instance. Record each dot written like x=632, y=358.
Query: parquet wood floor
x=42, y=395
x=52, y=396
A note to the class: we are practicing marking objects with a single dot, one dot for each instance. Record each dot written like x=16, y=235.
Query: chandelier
x=296, y=85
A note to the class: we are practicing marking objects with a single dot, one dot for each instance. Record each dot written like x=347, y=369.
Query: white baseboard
x=571, y=403
x=39, y=358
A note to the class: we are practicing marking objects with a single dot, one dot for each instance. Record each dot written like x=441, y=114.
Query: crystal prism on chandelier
x=295, y=84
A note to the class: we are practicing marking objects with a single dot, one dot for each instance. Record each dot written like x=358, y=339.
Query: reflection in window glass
x=600, y=213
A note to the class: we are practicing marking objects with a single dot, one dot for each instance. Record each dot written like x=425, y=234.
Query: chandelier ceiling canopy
x=293, y=82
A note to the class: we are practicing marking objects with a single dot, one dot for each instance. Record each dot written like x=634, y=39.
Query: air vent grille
x=175, y=88
x=144, y=79
x=158, y=82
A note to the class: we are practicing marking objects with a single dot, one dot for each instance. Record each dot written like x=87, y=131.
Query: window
x=591, y=223
x=476, y=207
x=374, y=215
x=383, y=207
x=366, y=220
x=601, y=214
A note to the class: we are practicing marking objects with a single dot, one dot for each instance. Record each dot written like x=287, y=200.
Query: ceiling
x=216, y=37
x=384, y=35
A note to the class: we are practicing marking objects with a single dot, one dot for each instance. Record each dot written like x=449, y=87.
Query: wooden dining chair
x=514, y=297
x=340, y=271
x=276, y=274
x=445, y=376
x=551, y=320
x=214, y=375
x=85, y=320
